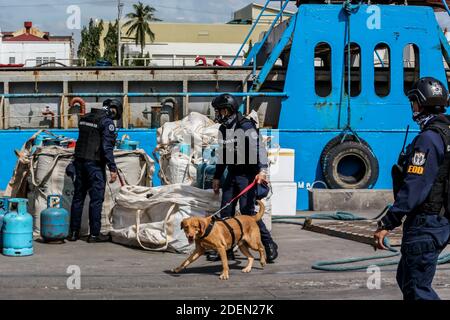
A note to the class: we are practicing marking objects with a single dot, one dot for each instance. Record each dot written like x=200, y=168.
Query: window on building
x=382, y=69
x=411, y=66
x=355, y=72
x=12, y=60
x=322, y=67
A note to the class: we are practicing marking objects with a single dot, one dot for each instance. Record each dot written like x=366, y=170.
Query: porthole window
x=322, y=69
x=411, y=66
x=382, y=70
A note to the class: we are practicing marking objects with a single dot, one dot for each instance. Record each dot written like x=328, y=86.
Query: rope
x=349, y=9
x=165, y=227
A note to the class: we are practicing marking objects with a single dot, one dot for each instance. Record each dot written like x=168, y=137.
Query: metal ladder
x=258, y=80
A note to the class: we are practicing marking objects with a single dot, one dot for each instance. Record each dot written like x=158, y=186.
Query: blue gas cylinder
x=207, y=169
x=4, y=203
x=18, y=229
x=55, y=220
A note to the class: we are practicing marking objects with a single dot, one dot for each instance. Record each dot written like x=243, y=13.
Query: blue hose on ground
x=328, y=265
x=334, y=265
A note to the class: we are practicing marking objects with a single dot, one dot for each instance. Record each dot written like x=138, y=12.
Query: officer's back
x=93, y=152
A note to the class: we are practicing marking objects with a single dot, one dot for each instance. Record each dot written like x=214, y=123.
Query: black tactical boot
x=73, y=236
x=98, y=239
x=214, y=256
x=271, y=252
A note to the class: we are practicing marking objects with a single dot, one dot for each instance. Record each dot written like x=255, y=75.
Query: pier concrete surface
x=110, y=271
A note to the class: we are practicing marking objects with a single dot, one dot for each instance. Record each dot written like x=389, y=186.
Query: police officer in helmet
x=93, y=152
x=421, y=188
x=245, y=162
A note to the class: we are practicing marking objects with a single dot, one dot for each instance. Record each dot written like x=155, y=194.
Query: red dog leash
x=247, y=189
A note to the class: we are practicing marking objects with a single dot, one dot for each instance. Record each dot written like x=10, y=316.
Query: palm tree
x=139, y=24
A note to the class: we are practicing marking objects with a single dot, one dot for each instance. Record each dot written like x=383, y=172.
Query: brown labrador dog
x=220, y=239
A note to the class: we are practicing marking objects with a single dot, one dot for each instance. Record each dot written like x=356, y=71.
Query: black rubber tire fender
x=336, y=141
x=365, y=178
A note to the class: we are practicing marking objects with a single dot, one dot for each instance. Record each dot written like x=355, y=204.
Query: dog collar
x=209, y=228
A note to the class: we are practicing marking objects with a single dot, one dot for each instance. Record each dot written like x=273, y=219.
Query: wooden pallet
x=360, y=231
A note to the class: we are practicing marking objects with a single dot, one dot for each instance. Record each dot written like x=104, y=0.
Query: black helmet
x=226, y=101
x=431, y=94
x=115, y=104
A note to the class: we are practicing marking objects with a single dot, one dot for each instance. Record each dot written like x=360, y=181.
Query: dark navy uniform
x=421, y=194
x=93, y=152
x=244, y=157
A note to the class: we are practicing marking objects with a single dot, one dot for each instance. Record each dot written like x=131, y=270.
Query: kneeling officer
x=93, y=152
x=421, y=188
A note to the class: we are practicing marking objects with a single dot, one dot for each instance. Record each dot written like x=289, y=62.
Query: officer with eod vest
x=421, y=188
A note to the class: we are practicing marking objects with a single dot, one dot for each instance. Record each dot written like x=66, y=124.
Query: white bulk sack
x=43, y=173
x=197, y=131
x=150, y=218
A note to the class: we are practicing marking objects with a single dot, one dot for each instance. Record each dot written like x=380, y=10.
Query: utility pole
x=119, y=47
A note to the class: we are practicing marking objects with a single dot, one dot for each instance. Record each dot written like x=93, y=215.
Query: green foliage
x=110, y=44
x=139, y=61
x=138, y=24
x=89, y=47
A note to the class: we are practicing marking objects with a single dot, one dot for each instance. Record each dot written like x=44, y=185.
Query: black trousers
x=424, y=238
x=90, y=176
x=233, y=185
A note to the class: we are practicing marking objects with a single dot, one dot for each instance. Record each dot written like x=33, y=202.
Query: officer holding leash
x=421, y=188
x=93, y=152
x=245, y=159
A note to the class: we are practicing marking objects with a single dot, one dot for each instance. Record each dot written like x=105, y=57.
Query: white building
x=179, y=44
x=30, y=47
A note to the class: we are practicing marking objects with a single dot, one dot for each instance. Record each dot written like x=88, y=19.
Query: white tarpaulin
x=150, y=217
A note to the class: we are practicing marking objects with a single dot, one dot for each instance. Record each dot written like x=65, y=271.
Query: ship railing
x=63, y=117
x=55, y=62
x=176, y=61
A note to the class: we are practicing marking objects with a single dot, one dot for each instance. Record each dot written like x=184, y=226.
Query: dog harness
x=230, y=229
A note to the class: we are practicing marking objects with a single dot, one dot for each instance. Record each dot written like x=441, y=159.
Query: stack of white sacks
x=281, y=176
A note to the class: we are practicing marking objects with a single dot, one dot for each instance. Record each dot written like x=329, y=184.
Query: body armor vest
x=439, y=198
x=236, y=145
x=89, y=142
